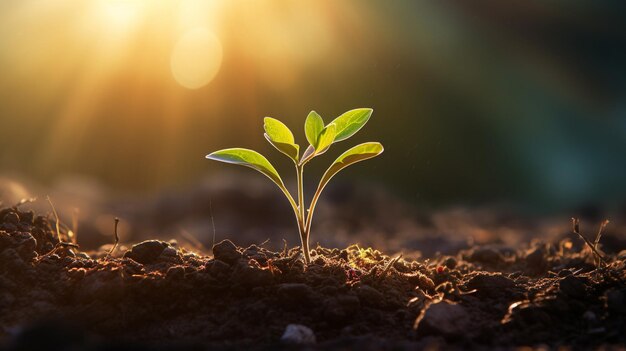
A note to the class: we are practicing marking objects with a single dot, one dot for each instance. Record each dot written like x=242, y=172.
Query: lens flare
x=196, y=58
x=120, y=15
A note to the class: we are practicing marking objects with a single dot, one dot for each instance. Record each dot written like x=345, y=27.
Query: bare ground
x=159, y=295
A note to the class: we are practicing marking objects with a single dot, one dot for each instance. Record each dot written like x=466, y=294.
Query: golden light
x=94, y=69
x=196, y=58
x=120, y=15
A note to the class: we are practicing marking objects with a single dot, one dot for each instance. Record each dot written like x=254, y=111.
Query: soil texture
x=159, y=295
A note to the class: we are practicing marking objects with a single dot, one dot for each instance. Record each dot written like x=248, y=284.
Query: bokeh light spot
x=196, y=58
x=120, y=15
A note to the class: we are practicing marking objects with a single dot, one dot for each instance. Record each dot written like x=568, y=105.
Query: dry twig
x=593, y=246
x=388, y=266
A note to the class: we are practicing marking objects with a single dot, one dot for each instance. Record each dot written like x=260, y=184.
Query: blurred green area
x=476, y=101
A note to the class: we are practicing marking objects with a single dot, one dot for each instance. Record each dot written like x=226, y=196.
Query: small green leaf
x=291, y=150
x=308, y=154
x=313, y=126
x=326, y=138
x=350, y=122
x=356, y=154
x=248, y=158
x=279, y=135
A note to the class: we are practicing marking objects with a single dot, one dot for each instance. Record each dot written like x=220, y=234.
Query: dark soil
x=158, y=295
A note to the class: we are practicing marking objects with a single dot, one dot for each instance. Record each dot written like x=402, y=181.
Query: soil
x=159, y=295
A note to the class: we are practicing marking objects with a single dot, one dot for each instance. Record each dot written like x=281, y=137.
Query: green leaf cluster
x=320, y=138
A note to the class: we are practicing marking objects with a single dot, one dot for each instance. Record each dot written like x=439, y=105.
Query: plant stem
x=304, y=233
x=300, y=173
x=309, y=217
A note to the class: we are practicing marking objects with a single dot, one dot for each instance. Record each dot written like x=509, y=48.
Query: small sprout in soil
x=117, y=238
x=57, y=224
x=56, y=218
x=320, y=138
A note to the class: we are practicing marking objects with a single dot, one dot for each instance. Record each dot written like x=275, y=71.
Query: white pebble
x=298, y=334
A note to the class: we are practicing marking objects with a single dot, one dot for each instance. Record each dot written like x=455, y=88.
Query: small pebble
x=226, y=251
x=11, y=217
x=298, y=334
x=146, y=252
x=169, y=252
x=450, y=262
x=175, y=272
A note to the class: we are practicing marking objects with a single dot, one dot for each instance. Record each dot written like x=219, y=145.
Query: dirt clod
x=450, y=262
x=250, y=274
x=491, y=285
x=226, y=251
x=147, y=252
x=11, y=218
x=444, y=318
x=368, y=296
x=535, y=260
x=573, y=287
x=486, y=255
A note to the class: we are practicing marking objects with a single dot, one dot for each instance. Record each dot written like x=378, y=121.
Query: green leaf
x=248, y=158
x=324, y=141
x=308, y=154
x=326, y=138
x=279, y=135
x=313, y=126
x=291, y=150
x=356, y=154
x=350, y=122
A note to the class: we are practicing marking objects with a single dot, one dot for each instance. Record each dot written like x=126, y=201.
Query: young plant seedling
x=320, y=138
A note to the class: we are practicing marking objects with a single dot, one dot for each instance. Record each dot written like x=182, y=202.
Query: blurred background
x=477, y=102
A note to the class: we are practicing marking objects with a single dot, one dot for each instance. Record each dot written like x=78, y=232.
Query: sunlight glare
x=121, y=14
x=196, y=58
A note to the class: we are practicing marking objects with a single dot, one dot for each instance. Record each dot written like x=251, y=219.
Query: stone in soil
x=146, y=252
x=298, y=334
x=226, y=251
x=444, y=318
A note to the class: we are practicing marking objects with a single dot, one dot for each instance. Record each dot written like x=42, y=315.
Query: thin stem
x=299, y=216
x=309, y=217
x=300, y=173
x=304, y=234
